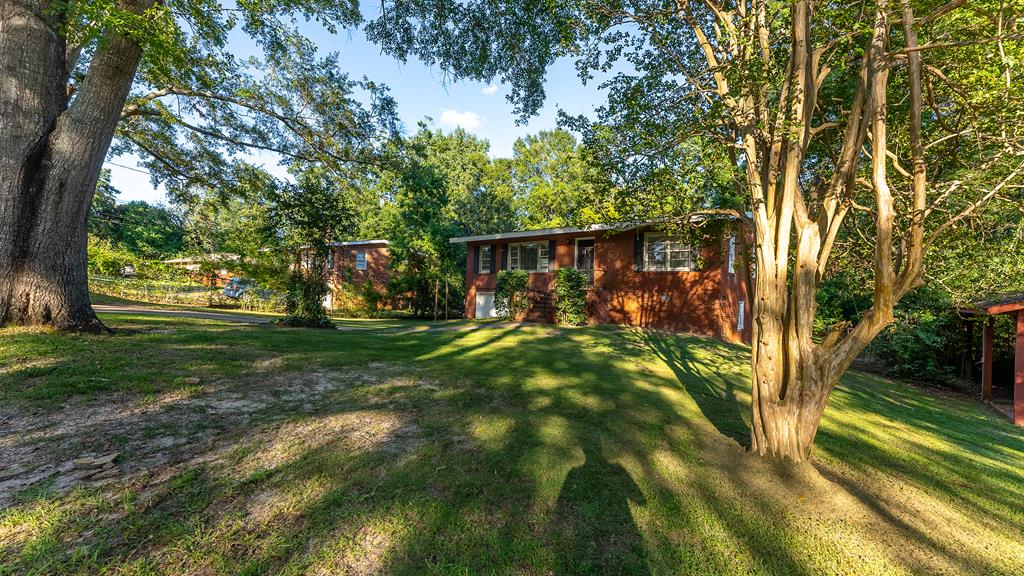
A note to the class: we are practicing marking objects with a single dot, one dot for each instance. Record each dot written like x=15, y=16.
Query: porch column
x=969, y=350
x=1018, y=371
x=986, y=360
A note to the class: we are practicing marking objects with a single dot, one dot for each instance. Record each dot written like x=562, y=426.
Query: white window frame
x=741, y=320
x=732, y=254
x=363, y=254
x=486, y=255
x=576, y=253
x=672, y=245
x=514, y=256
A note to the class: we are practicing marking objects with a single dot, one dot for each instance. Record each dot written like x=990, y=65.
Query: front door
x=585, y=257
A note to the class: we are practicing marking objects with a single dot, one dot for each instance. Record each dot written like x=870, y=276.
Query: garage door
x=485, y=305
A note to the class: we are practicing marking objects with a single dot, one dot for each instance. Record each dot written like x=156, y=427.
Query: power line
x=140, y=171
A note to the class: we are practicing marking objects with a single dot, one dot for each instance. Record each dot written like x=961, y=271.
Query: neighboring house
x=357, y=262
x=640, y=276
x=210, y=269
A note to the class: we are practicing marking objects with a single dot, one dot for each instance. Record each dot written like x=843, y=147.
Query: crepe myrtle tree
x=904, y=113
x=155, y=79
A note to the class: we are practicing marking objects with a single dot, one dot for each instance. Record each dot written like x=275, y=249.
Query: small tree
x=303, y=302
x=311, y=213
x=510, y=293
x=571, y=297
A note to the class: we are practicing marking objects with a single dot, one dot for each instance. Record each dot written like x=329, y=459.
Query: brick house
x=640, y=276
x=357, y=262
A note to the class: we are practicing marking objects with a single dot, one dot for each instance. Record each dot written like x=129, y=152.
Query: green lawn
x=501, y=450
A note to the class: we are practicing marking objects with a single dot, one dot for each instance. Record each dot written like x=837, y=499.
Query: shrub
x=510, y=293
x=304, y=302
x=571, y=297
x=921, y=344
x=371, y=300
x=106, y=259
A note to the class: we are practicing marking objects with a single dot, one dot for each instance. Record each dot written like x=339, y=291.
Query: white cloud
x=487, y=91
x=467, y=120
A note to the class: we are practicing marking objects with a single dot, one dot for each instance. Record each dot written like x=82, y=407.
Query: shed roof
x=1010, y=302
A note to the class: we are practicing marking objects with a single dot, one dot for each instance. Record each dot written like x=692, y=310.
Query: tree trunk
x=51, y=152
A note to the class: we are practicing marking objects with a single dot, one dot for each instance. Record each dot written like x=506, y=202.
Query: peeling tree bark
x=51, y=152
x=794, y=374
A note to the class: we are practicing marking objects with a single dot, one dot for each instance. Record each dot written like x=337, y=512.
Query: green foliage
x=422, y=217
x=371, y=299
x=309, y=214
x=105, y=259
x=304, y=302
x=511, y=293
x=108, y=259
x=571, y=297
x=554, y=183
x=151, y=231
x=148, y=231
x=922, y=344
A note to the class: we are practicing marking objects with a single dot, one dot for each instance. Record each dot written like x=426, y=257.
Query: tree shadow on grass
x=713, y=390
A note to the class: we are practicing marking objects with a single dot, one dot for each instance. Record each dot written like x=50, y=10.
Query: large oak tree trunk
x=51, y=150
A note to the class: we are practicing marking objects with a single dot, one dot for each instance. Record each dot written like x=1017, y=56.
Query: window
x=360, y=260
x=532, y=257
x=485, y=259
x=732, y=254
x=740, y=320
x=664, y=254
x=330, y=259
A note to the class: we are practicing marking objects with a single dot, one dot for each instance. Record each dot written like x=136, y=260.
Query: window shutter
x=551, y=255
x=476, y=259
x=695, y=257
x=638, y=252
x=504, y=256
x=494, y=258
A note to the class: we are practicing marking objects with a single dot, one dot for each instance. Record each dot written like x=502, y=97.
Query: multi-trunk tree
x=157, y=80
x=905, y=113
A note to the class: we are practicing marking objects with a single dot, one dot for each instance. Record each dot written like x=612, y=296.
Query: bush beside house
x=571, y=297
x=511, y=294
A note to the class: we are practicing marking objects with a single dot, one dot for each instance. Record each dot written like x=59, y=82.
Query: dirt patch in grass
x=154, y=436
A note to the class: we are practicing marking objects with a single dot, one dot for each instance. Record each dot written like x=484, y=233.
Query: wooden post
x=436, y=288
x=446, y=300
x=1018, y=371
x=986, y=359
x=968, y=371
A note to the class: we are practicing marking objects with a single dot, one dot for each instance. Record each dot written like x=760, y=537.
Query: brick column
x=1018, y=370
x=986, y=359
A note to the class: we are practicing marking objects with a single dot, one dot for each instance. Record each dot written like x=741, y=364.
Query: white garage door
x=485, y=305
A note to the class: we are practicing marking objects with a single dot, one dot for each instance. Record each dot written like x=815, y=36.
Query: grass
x=393, y=319
x=501, y=450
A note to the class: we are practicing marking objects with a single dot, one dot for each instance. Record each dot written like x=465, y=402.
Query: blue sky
x=420, y=92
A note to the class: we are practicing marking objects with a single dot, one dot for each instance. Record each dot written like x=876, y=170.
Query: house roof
x=541, y=232
x=620, y=226
x=215, y=257
x=358, y=242
x=1001, y=304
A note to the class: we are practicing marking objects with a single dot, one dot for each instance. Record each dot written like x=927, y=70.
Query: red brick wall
x=377, y=259
x=701, y=302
